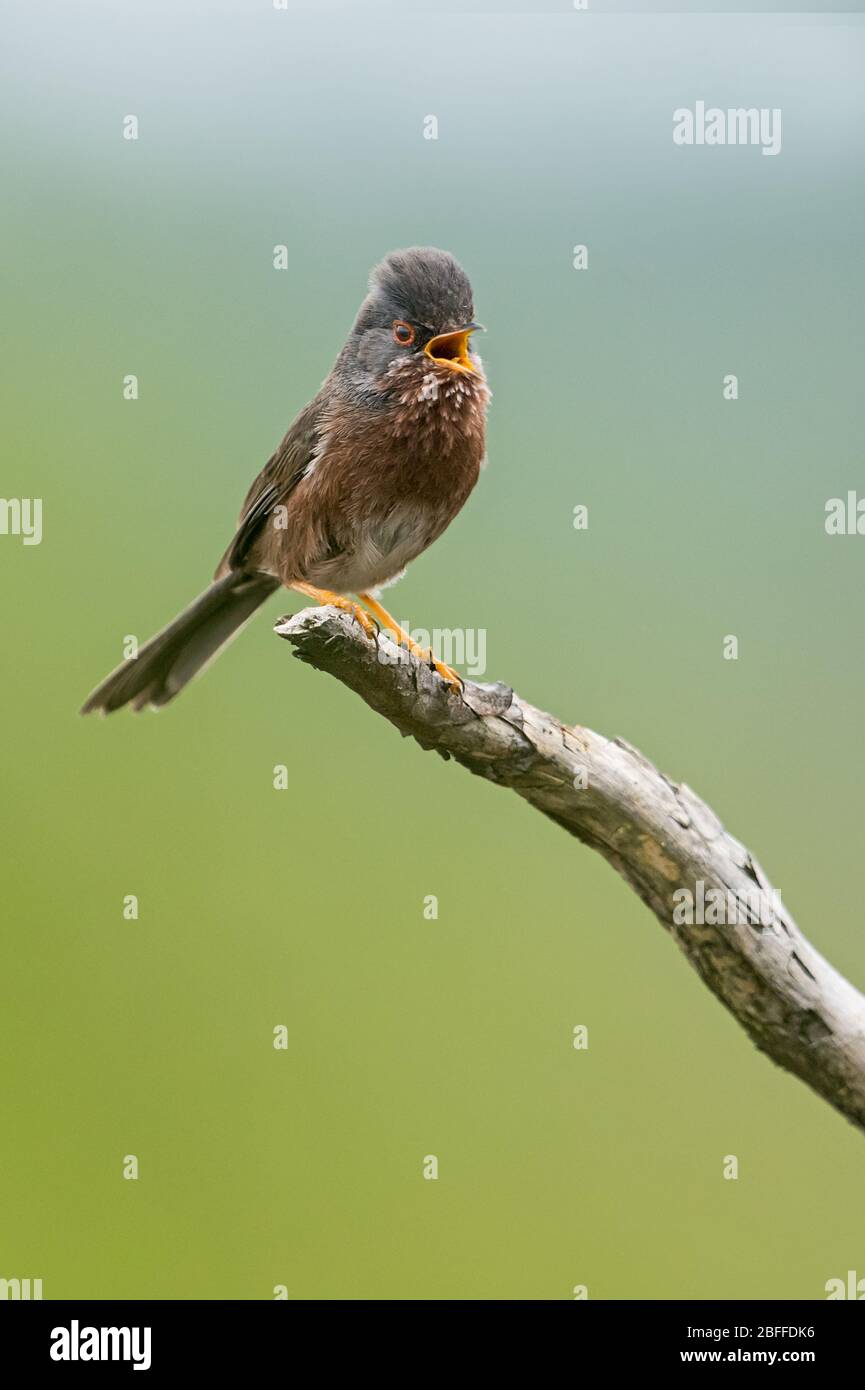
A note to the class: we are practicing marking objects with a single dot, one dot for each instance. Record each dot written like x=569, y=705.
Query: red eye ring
x=403, y=333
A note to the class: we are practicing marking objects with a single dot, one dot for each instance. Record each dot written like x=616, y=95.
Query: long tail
x=167, y=662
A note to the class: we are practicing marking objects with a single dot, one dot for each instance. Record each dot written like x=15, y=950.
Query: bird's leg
x=359, y=614
x=451, y=677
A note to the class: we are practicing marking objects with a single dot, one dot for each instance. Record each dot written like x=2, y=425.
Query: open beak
x=452, y=349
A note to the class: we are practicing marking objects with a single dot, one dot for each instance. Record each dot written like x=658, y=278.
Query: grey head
x=418, y=316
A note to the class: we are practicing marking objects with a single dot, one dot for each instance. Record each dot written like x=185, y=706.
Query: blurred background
x=304, y=908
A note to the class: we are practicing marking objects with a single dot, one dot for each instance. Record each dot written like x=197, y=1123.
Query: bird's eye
x=403, y=333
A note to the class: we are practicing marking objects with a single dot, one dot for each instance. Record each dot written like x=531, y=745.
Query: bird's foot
x=347, y=605
x=451, y=678
x=360, y=615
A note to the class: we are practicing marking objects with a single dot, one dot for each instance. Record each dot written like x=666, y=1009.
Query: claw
x=360, y=615
x=447, y=673
x=450, y=677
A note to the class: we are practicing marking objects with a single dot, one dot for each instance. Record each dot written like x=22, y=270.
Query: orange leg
x=325, y=596
x=451, y=677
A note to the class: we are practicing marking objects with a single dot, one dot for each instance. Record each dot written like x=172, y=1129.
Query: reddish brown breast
x=385, y=480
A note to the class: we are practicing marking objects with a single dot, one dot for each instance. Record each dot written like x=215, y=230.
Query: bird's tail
x=167, y=662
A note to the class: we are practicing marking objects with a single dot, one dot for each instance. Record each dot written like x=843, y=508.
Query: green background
x=305, y=907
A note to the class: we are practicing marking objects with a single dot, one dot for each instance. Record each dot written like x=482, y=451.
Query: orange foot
x=360, y=615
x=449, y=676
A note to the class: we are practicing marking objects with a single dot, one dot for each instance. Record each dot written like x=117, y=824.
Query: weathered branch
x=657, y=833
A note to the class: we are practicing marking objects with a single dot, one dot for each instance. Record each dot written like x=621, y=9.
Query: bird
x=367, y=476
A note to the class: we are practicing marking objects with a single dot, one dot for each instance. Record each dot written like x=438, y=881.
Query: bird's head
x=416, y=321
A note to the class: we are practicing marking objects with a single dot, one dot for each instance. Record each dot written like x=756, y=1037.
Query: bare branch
x=657, y=833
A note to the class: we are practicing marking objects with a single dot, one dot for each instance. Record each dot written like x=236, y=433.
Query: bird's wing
x=272, y=488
